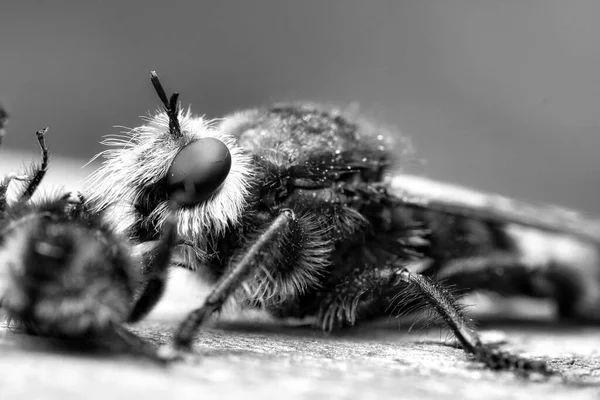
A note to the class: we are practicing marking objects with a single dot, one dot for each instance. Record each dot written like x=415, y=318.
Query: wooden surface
x=247, y=356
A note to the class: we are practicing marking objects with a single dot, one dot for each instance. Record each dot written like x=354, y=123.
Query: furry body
x=354, y=230
x=65, y=273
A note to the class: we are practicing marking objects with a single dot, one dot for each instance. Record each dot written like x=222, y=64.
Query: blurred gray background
x=499, y=95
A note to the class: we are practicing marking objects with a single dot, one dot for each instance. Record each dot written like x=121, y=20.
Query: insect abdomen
x=512, y=259
x=567, y=268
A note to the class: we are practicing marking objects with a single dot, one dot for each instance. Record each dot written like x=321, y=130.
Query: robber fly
x=64, y=273
x=301, y=210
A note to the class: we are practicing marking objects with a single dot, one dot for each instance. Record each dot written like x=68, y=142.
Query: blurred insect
x=303, y=211
x=64, y=273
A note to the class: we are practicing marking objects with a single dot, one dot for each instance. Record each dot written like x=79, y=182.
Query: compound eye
x=199, y=169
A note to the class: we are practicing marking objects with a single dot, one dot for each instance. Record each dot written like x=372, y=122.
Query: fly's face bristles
x=135, y=173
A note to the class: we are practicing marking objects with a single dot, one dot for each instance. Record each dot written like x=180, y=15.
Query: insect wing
x=421, y=192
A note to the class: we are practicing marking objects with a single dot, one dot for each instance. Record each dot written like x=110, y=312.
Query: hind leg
x=437, y=297
x=415, y=291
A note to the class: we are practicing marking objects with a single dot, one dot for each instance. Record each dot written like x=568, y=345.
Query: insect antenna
x=171, y=106
x=231, y=280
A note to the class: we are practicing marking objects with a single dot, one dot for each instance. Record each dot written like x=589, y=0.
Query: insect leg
x=157, y=261
x=480, y=265
x=509, y=274
x=4, y=188
x=439, y=298
x=354, y=297
x=136, y=344
x=39, y=171
x=502, y=272
x=230, y=281
x=76, y=204
x=3, y=119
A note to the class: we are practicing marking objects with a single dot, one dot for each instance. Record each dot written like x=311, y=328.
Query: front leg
x=155, y=267
x=136, y=344
x=231, y=281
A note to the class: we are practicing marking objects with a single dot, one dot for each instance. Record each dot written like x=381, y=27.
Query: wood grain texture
x=248, y=356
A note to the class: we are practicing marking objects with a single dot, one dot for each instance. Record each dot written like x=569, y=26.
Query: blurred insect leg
x=39, y=171
x=230, y=281
x=75, y=204
x=507, y=273
x=136, y=344
x=439, y=298
x=157, y=261
x=153, y=291
x=478, y=265
x=355, y=296
x=3, y=120
x=4, y=188
x=501, y=271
